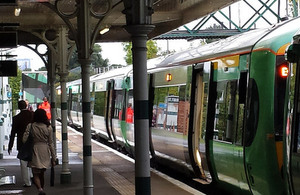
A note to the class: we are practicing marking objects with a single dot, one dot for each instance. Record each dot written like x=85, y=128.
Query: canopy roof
x=38, y=16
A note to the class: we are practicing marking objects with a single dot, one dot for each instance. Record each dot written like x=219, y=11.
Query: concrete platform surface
x=113, y=173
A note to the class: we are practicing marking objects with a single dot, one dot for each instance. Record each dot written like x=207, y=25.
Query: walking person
x=19, y=124
x=46, y=106
x=29, y=107
x=43, y=150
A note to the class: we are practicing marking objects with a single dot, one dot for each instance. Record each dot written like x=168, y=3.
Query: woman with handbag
x=43, y=149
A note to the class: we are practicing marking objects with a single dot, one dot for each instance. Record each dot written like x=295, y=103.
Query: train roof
x=237, y=44
x=126, y=70
x=113, y=73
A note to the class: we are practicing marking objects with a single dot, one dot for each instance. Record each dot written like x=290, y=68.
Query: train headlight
x=169, y=77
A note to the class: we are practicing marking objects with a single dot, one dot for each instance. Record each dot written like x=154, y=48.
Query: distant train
x=216, y=111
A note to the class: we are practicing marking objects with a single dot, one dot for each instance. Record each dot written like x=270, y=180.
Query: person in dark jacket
x=19, y=124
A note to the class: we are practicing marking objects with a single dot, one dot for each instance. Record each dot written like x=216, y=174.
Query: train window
x=204, y=103
x=226, y=110
x=241, y=107
x=74, y=102
x=118, y=103
x=253, y=112
x=166, y=107
x=129, y=115
x=170, y=109
x=100, y=99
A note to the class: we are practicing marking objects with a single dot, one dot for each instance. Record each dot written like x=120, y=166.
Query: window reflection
x=170, y=110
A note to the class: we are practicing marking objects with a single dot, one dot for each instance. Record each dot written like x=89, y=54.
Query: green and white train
x=216, y=111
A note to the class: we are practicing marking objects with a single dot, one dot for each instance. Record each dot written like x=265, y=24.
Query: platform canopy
x=36, y=16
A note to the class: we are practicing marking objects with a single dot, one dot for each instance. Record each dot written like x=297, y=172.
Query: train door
x=110, y=92
x=126, y=111
x=292, y=138
x=198, y=131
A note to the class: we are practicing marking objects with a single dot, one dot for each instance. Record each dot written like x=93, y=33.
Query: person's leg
x=42, y=178
x=39, y=183
x=25, y=172
x=36, y=178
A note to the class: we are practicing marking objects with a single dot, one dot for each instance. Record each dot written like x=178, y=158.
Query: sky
x=115, y=54
x=109, y=51
x=23, y=53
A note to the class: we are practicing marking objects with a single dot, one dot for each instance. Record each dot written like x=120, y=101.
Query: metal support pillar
x=138, y=20
x=53, y=112
x=84, y=53
x=52, y=79
x=65, y=176
x=86, y=111
x=141, y=116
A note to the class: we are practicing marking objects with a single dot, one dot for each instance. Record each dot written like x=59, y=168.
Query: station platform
x=113, y=172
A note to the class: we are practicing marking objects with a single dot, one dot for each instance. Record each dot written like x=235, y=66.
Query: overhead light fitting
x=17, y=11
x=104, y=30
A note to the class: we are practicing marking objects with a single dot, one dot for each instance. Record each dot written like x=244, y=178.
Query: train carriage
x=291, y=135
x=216, y=111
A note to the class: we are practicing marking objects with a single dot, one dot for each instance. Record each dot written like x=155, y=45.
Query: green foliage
x=74, y=76
x=96, y=57
x=152, y=50
x=42, y=69
x=97, y=62
x=73, y=62
x=14, y=83
x=127, y=46
x=214, y=26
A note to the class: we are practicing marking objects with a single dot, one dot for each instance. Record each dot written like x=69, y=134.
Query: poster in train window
x=171, y=113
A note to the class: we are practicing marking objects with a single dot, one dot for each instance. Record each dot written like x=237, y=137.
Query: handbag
x=25, y=153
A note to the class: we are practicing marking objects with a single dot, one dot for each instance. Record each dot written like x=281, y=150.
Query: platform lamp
x=17, y=11
x=104, y=30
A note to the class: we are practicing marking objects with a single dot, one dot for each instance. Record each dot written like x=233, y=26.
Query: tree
x=14, y=83
x=73, y=62
x=96, y=57
x=213, y=27
x=152, y=50
x=43, y=68
x=97, y=62
x=27, y=69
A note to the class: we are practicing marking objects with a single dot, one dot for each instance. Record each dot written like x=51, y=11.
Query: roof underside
x=37, y=16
